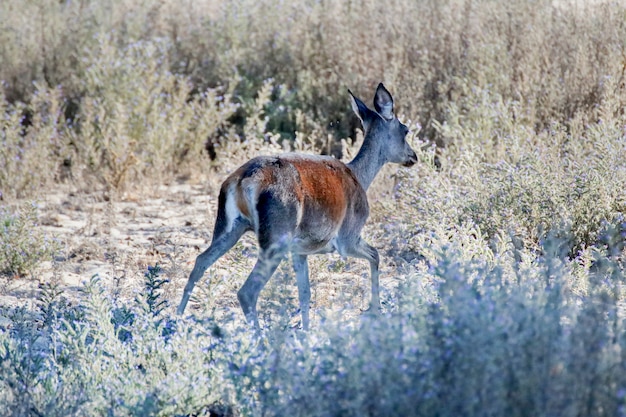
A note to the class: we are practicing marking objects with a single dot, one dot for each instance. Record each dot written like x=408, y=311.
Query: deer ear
x=383, y=102
x=360, y=109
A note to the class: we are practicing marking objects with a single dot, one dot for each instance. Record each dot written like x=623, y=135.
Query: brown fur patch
x=324, y=187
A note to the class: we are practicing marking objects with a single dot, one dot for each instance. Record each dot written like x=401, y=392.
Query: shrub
x=137, y=118
x=502, y=178
x=32, y=143
x=22, y=244
x=467, y=337
x=556, y=61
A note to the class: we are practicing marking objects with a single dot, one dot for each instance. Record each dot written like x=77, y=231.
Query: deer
x=305, y=204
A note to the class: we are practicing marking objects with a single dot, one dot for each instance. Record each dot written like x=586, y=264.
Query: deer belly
x=315, y=236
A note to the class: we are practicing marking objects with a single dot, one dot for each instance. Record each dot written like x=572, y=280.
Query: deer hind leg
x=269, y=259
x=222, y=241
x=248, y=295
x=363, y=250
x=277, y=224
x=300, y=265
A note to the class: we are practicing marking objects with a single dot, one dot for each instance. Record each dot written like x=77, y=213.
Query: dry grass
x=555, y=62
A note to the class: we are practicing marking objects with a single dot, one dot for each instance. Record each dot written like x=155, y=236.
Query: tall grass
x=506, y=180
x=551, y=60
x=137, y=117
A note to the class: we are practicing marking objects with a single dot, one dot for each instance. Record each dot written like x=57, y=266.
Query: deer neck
x=367, y=162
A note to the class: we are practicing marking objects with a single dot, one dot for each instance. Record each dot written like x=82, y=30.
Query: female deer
x=305, y=205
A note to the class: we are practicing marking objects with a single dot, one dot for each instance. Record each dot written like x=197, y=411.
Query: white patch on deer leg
x=232, y=212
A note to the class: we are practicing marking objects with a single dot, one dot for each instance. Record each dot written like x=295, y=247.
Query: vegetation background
x=503, y=250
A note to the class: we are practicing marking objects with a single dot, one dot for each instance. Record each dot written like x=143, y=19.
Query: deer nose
x=411, y=160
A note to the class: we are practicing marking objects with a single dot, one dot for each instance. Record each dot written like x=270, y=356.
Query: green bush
x=33, y=143
x=548, y=61
x=22, y=244
x=137, y=118
x=503, y=179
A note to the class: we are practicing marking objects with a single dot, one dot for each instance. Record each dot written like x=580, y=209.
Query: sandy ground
x=118, y=240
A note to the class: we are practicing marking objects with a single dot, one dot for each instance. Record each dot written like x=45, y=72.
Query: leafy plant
x=137, y=117
x=22, y=244
x=153, y=286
